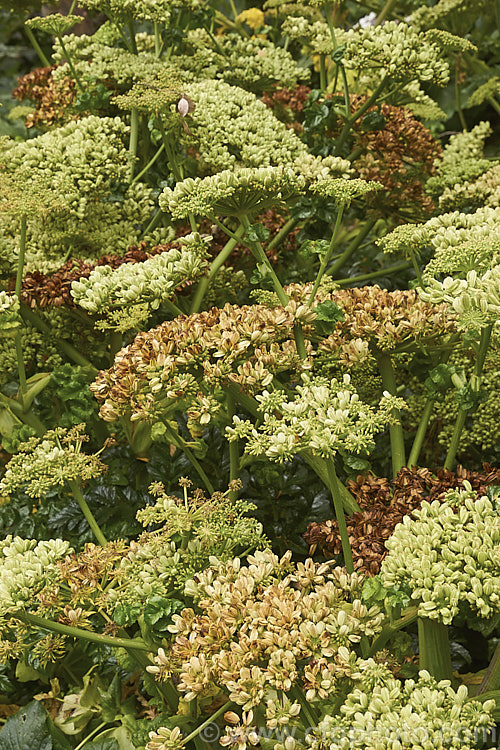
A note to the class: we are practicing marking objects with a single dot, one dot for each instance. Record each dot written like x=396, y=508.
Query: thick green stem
x=31, y=317
x=134, y=140
x=77, y=493
x=458, y=101
x=339, y=514
x=131, y=31
x=359, y=113
x=34, y=43
x=416, y=267
x=104, y=640
x=484, y=343
x=284, y=232
x=180, y=443
x=158, y=44
x=329, y=20
x=385, y=11
x=491, y=679
x=351, y=248
x=207, y=722
x=322, y=73
x=70, y=64
x=326, y=257
x=149, y=164
x=434, y=648
x=234, y=454
x=21, y=370
x=494, y=103
x=395, y=430
x=216, y=264
x=420, y=435
x=374, y=274
x=91, y=734
x=155, y=221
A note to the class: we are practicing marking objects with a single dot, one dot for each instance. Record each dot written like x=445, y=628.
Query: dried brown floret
x=384, y=504
x=52, y=98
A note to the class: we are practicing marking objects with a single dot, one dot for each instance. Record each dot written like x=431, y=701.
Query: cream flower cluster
x=26, y=567
x=475, y=299
x=415, y=714
x=146, y=10
x=448, y=556
x=110, y=293
x=326, y=416
x=264, y=627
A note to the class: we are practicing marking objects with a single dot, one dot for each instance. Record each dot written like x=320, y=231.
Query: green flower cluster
x=10, y=319
x=490, y=88
x=243, y=192
x=415, y=714
x=459, y=165
x=26, y=567
x=80, y=160
x=147, y=10
x=54, y=24
x=95, y=60
x=344, y=191
x=192, y=531
x=445, y=11
x=447, y=556
x=232, y=128
x=252, y=63
x=129, y=293
x=395, y=50
x=315, y=34
x=50, y=461
x=326, y=417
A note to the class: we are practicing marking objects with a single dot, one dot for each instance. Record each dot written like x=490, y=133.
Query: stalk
x=90, y=735
x=484, y=343
x=284, y=232
x=345, y=86
x=395, y=430
x=360, y=112
x=115, y=344
x=434, y=648
x=131, y=31
x=326, y=257
x=385, y=11
x=388, y=630
x=339, y=514
x=34, y=43
x=158, y=44
x=216, y=264
x=155, y=221
x=420, y=435
x=149, y=164
x=351, y=248
x=134, y=139
x=458, y=100
x=491, y=679
x=178, y=441
x=494, y=104
x=31, y=317
x=19, y=277
x=374, y=274
x=70, y=64
x=137, y=644
x=207, y=721
x=77, y=493
x=234, y=455
x=416, y=268
x=261, y=257
x=322, y=73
